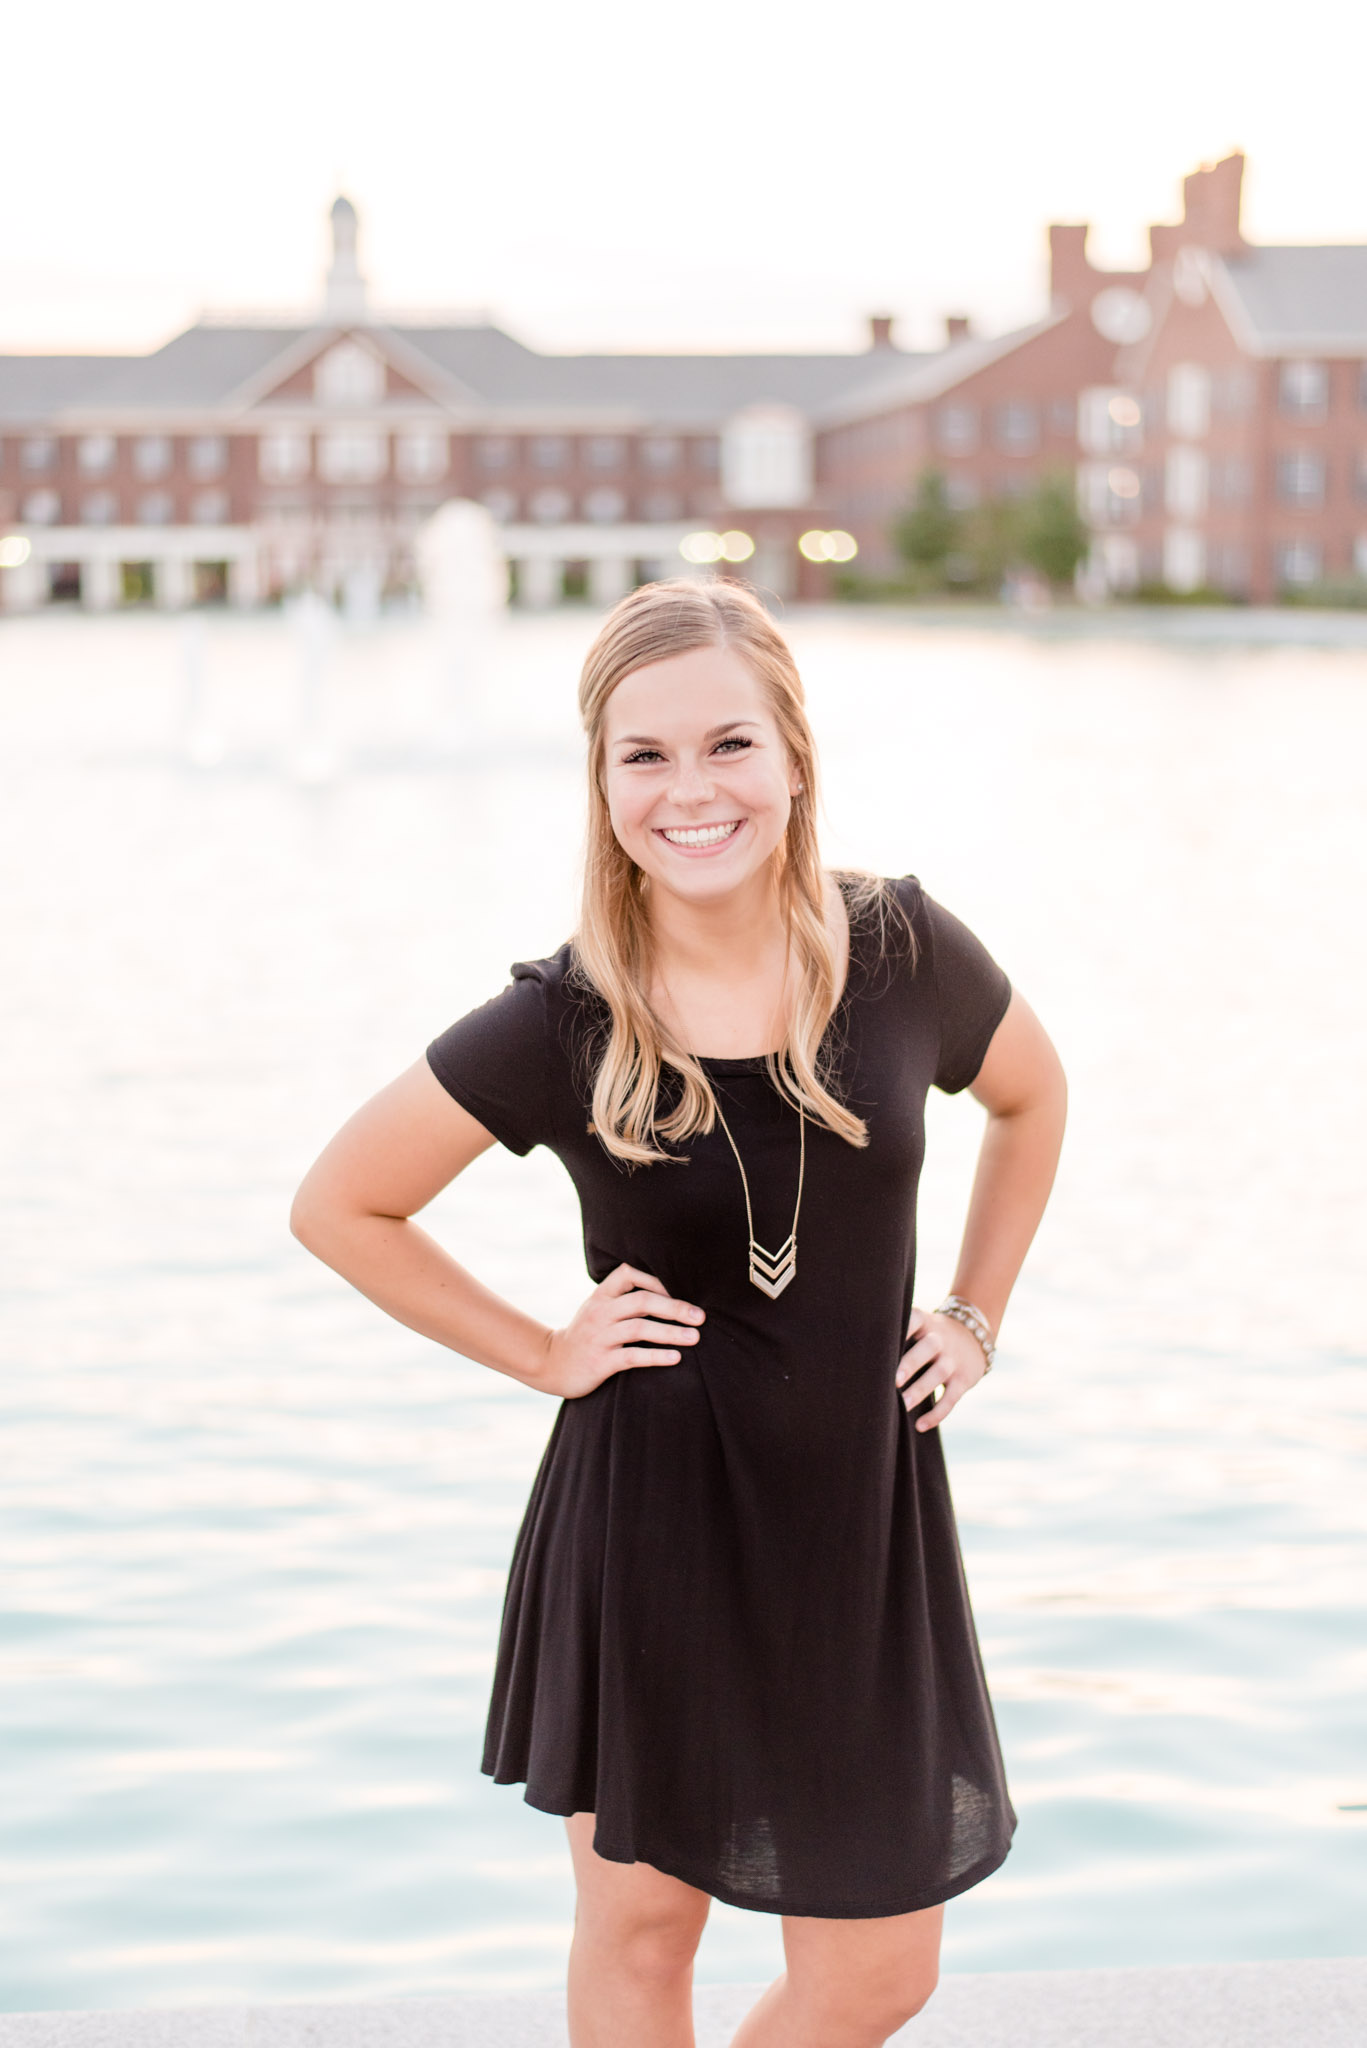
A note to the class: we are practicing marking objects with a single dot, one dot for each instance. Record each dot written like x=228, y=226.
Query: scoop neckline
x=755, y=1062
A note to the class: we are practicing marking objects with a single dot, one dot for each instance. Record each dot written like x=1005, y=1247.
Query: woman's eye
x=641, y=754
x=737, y=741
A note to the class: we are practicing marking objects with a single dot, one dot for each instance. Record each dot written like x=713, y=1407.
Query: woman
x=737, y=1651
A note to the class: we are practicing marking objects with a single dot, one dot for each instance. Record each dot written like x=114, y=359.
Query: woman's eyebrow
x=642, y=739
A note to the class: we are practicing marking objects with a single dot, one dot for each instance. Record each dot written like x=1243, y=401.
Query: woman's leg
x=631, y=1960
x=848, y=1984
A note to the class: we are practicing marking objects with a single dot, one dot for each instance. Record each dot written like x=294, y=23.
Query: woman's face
x=699, y=783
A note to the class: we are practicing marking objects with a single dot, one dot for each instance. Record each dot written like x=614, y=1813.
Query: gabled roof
x=919, y=378
x=1297, y=301
x=667, y=390
x=219, y=364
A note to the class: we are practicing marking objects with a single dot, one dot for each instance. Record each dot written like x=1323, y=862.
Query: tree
x=1051, y=534
x=928, y=531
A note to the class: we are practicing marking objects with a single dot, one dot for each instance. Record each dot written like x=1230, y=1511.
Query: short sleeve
x=971, y=994
x=494, y=1062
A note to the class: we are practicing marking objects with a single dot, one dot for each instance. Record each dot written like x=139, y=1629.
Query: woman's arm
x=354, y=1211
x=1021, y=1085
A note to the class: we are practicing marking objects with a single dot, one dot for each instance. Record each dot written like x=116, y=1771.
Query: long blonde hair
x=612, y=949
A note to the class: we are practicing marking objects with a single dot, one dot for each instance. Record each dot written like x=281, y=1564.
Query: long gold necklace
x=771, y=1271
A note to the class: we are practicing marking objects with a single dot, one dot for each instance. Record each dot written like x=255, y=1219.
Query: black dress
x=736, y=1627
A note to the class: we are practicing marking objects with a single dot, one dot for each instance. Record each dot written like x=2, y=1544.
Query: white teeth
x=700, y=835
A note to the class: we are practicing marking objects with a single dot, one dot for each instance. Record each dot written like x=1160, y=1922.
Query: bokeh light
x=15, y=550
x=736, y=546
x=836, y=546
x=701, y=547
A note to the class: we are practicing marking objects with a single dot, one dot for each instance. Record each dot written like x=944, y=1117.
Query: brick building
x=1212, y=408
x=248, y=458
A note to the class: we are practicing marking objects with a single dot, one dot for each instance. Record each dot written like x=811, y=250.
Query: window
x=41, y=508
x=494, y=452
x=1297, y=562
x=662, y=505
x=352, y=455
x=348, y=375
x=550, y=451
x=1186, y=483
x=99, y=508
x=95, y=454
x=1184, y=559
x=283, y=456
x=1109, y=421
x=1062, y=416
x=208, y=455
x=501, y=505
x=956, y=428
x=38, y=453
x=767, y=457
x=961, y=492
x=1189, y=400
x=550, y=507
x=660, y=453
x=155, y=509
x=1300, y=479
x=604, y=506
x=152, y=455
x=421, y=455
x=1017, y=426
x=1360, y=555
x=606, y=451
x=707, y=454
x=210, y=508
x=1303, y=390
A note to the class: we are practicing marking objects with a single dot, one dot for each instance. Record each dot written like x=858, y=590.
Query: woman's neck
x=719, y=940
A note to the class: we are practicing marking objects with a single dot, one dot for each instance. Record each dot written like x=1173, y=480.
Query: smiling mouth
x=700, y=835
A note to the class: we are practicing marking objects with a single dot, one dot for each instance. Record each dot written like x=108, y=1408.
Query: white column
x=99, y=583
x=609, y=578
x=24, y=587
x=171, y=583
x=539, y=581
x=243, y=582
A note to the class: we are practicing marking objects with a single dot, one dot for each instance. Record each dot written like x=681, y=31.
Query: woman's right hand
x=622, y=1323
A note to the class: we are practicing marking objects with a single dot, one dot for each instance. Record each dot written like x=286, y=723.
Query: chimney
x=956, y=328
x=880, y=330
x=1210, y=213
x=345, y=295
x=1070, y=274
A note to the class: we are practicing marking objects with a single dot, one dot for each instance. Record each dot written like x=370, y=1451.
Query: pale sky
x=619, y=174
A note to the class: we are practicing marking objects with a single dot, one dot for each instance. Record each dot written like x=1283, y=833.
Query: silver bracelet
x=972, y=1319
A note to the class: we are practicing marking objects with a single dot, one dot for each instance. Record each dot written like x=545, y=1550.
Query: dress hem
x=918, y=1902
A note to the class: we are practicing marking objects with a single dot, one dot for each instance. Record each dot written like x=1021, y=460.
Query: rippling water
x=255, y=1536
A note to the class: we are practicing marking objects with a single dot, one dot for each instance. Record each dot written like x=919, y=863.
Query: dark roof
x=35, y=387
x=679, y=390
x=1311, y=299
x=210, y=362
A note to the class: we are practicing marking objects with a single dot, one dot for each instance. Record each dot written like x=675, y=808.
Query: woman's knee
x=653, y=1944
x=863, y=2009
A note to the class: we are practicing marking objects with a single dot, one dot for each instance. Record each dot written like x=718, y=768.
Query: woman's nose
x=691, y=785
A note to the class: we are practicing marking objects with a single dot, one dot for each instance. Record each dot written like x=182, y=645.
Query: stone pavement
x=1198, y=2005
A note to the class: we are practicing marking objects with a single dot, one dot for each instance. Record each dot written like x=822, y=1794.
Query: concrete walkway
x=1222, y=2005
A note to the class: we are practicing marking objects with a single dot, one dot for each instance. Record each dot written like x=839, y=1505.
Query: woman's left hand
x=944, y=1354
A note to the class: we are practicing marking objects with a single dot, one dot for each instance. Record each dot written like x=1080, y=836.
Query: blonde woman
x=737, y=1651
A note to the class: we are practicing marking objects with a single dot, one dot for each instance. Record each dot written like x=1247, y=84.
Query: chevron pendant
x=771, y=1271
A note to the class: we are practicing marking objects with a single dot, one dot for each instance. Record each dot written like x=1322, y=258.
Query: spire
x=345, y=296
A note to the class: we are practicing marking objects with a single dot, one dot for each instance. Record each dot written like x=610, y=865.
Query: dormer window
x=348, y=375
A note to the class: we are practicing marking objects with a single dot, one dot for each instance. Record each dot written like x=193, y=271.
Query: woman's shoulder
x=886, y=913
